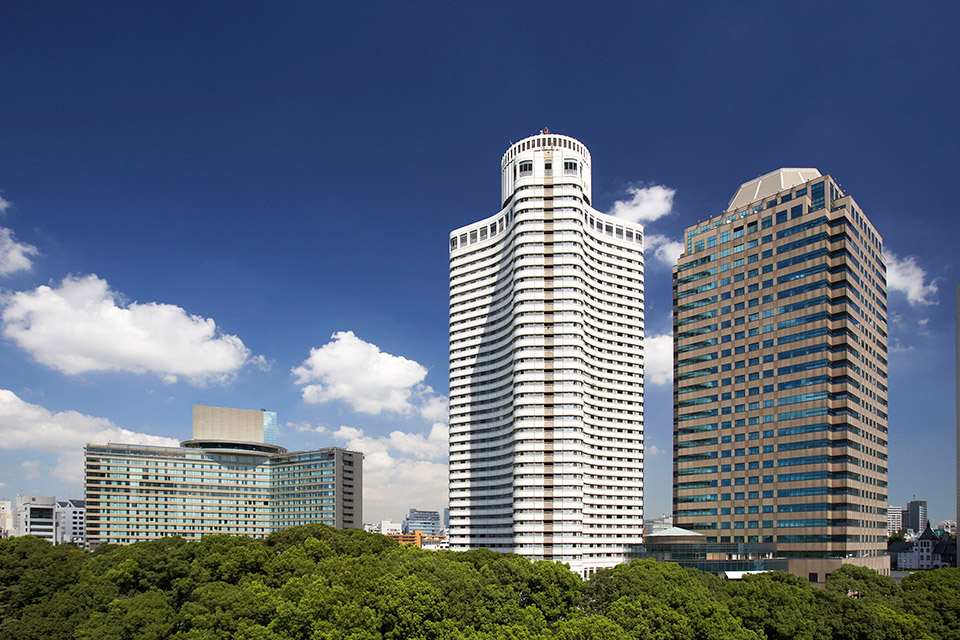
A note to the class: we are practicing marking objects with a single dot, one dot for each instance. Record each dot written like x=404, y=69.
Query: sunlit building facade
x=230, y=478
x=34, y=516
x=546, y=367
x=780, y=373
x=70, y=522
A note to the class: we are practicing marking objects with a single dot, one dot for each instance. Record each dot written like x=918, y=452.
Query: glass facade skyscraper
x=780, y=373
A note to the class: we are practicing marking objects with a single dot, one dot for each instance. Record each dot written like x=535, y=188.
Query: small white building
x=385, y=527
x=34, y=516
x=894, y=519
x=70, y=522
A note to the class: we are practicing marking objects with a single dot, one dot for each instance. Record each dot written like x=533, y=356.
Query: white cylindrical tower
x=543, y=159
x=546, y=364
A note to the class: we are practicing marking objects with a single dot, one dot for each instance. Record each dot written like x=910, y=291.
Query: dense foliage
x=319, y=583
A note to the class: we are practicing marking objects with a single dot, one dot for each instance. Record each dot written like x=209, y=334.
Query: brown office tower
x=780, y=375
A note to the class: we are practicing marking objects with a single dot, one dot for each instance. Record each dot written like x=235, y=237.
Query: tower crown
x=544, y=158
x=769, y=184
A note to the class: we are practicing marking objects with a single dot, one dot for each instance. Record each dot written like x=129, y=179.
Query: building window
x=526, y=168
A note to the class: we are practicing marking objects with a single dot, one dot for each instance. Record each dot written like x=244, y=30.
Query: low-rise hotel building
x=231, y=477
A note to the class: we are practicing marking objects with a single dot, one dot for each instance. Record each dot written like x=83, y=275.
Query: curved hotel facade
x=546, y=367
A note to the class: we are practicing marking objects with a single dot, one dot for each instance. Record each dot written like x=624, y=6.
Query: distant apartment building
x=656, y=525
x=422, y=540
x=231, y=477
x=780, y=374
x=385, y=527
x=34, y=516
x=915, y=516
x=6, y=519
x=427, y=522
x=894, y=519
x=70, y=522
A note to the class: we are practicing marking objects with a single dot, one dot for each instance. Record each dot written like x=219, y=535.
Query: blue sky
x=248, y=205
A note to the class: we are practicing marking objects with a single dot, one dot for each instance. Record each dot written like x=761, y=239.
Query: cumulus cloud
x=31, y=469
x=909, y=278
x=658, y=359
x=663, y=248
x=896, y=346
x=82, y=325
x=26, y=426
x=646, y=204
x=653, y=450
x=399, y=468
x=14, y=256
x=434, y=408
x=4, y=205
x=368, y=379
x=306, y=427
x=30, y=426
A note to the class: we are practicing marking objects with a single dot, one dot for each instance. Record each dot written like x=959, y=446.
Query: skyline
x=291, y=178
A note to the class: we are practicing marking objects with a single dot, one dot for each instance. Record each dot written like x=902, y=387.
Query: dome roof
x=769, y=184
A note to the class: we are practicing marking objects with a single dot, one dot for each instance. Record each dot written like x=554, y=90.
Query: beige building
x=231, y=477
x=6, y=518
x=780, y=375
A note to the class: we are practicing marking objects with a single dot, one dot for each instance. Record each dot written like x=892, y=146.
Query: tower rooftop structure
x=769, y=184
x=239, y=431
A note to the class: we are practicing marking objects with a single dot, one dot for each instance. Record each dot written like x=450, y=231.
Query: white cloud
x=653, y=450
x=14, y=256
x=658, y=359
x=31, y=469
x=69, y=466
x=306, y=427
x=32, y=427
x=435, y=408
x=646, y=204
x=400, y=471
x=898, y=347
x=908, y=277
x=4, y=205
x=664, y=249
x=83, y=325
x=370, y=380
